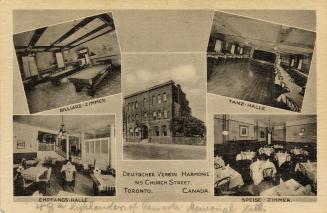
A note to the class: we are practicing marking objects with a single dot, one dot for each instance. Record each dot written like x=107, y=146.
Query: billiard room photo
x=258, y=61
x=68, y=63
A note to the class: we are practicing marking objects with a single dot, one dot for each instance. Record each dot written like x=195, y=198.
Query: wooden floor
x=46, y=96
x=242, y=80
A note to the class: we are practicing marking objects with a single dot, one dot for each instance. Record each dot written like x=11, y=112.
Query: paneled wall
x=28, y=134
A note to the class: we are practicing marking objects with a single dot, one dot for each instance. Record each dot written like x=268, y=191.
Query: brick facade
x=148, y=114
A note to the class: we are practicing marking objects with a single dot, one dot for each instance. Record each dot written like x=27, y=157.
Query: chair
x=70, y=178
x=20, y=185
x=222, y=186
x=97, y=170
x=268, y=173
x=46, y=179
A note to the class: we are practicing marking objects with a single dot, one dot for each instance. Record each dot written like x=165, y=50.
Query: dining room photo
x=265, y=155
x=64, y=155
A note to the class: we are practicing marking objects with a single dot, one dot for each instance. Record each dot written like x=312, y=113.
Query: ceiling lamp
x=62, y=131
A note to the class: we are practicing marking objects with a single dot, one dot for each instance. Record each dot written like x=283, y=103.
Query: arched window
x=156, y=131
x=153, y=100
x=136, y=117
x=136, y=104
x=145, y=116
x=136, y=131
x=144, y=102
x=154, y=115
x=164, y=97
x=159, y=114
x=165, y=114
x=164, y=130
x=159, y=99
x=131, y=132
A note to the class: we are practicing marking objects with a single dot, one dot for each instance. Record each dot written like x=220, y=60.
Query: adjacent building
x=149, y=115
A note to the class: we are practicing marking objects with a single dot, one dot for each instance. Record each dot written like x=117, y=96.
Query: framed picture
x=20, y=144
x=262, y=134
x=244, y=131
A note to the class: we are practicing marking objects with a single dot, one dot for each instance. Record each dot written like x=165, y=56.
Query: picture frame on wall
x=20, y=144
x=244, y=131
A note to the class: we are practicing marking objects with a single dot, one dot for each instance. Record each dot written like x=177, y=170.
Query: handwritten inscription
x=134, y=207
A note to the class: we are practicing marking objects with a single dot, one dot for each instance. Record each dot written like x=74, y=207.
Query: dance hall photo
x=64, y=155
x=258, y=61
x=69, y=62
x=265, y=155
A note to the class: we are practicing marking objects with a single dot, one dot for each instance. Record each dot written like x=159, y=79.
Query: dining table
x=288, y=188
x=33, y=173
x=236, y=179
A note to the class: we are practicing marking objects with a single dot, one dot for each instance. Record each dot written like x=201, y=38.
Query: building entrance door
x=145, y=132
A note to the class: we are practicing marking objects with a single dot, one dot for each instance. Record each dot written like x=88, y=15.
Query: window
x=164, y=97
x=165, y=114
x=145, y=116
x=133, y=105
x=156, y=131
x=87, y=147
x=136, y=104
x=92, y=147
x=104, y=146
x=144, y=102
x=159, y=114
x=154, y=115
x=159, y=99
x=153, y=100
x=136, y=131
x=136, y=117
x=164, y=130
x=131, y=132
x=97, y=146
x=129, y=118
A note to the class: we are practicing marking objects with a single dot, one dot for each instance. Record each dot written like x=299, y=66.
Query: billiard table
x=89, y=77
x=57, y=76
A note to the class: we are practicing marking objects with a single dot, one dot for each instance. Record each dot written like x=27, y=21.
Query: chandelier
x=62, y=130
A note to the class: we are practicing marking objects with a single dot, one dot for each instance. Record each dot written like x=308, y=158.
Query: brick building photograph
x=164, y=110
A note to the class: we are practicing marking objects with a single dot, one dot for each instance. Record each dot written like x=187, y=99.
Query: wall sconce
x=225, y=132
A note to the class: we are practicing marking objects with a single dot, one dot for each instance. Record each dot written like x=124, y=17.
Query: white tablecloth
x=309, y=169
x=245, y=156
x=34, y=173
x=288, y=188
x=282, y=157
x=266, y=151
x=235, y=177
x=219, y=162
x=257, y=168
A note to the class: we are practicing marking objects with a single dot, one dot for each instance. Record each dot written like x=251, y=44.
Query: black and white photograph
x=164, y=107
x=69, y=62
x=64, y=155
x=258, y=61
x=277, y=156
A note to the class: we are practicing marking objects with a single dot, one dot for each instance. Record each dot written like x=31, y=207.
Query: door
x=145, y=132
x=60, y=60
x=29, y=65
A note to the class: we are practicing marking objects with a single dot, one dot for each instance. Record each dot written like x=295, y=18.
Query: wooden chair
x=46, y=179
x=222, y=186
x=268, y=173
x=70, y=178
